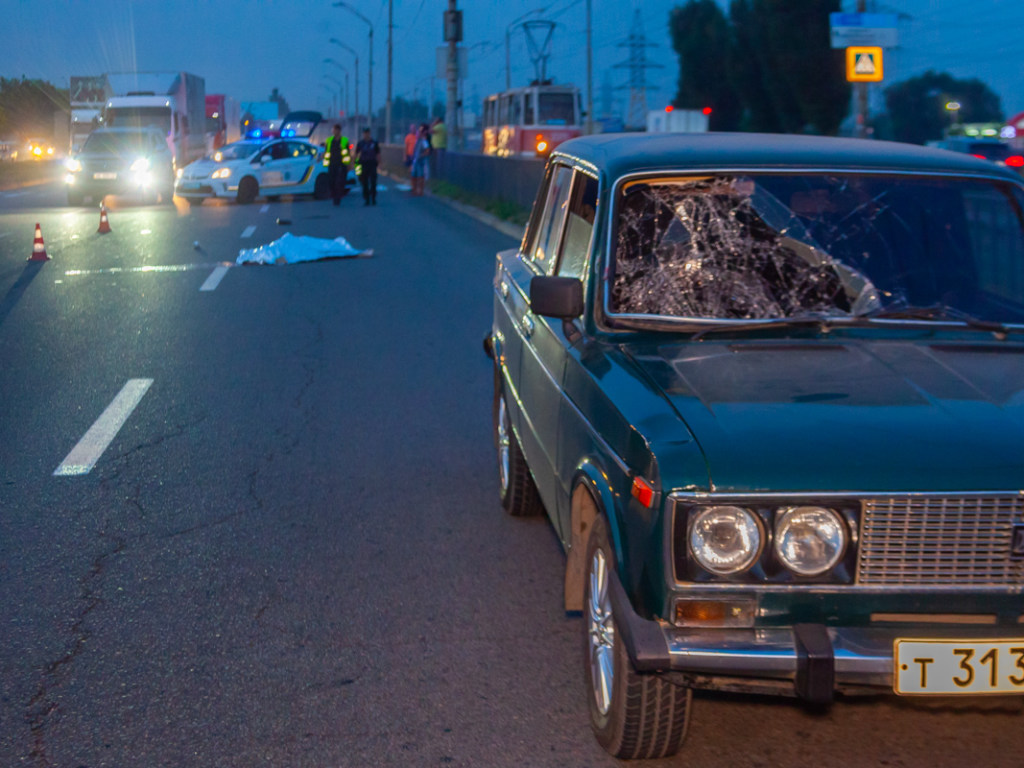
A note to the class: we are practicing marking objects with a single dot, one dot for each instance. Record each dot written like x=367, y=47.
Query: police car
x=247, y=169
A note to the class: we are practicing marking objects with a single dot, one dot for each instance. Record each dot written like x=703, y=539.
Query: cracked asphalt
x=292, y=553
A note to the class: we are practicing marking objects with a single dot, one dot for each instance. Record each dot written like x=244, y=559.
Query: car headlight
x=221, y=173
x=73, y=165
x=141, y=164
x=809, y=540
x=725, y=540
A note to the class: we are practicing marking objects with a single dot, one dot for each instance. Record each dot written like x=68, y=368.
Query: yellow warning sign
x=864, y=64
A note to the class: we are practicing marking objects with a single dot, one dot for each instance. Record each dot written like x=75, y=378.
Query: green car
x=769, y=390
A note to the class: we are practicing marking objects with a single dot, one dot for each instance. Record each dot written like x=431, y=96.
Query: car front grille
x=947, y=542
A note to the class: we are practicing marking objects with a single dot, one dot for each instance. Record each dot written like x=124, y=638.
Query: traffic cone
x=104, y=223
x=38, y=247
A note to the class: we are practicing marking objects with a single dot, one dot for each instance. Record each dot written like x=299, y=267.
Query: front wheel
x=633, y=715
x=247, y=190
x=519, y=494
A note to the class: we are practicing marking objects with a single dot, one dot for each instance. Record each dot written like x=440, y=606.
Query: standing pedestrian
x=367, y=153
x=337, y=163
x=410, y=145
x=439, y=137
x=421, y=152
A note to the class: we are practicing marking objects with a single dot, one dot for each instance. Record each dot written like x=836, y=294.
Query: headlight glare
x=73, y=165
x=221, y=173
x=724, y=540
x=809, y=540
x=141, y=164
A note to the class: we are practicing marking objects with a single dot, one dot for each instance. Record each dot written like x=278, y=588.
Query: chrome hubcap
x=601, y=629
x=503, y=445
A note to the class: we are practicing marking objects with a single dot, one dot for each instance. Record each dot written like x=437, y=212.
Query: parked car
x=986, y=149
x=769, y=390
x=246, y=169
x=124, y=161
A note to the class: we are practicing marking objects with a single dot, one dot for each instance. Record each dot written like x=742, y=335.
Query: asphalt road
x=292, y=554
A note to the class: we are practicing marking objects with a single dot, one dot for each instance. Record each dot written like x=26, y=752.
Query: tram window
x=514, y=109
x=557, y=109
x=503, y=110
x=528, y=118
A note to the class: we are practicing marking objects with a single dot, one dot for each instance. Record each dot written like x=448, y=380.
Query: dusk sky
x=247, y=48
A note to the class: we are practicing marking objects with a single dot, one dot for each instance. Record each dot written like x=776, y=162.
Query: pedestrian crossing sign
x=864, y=64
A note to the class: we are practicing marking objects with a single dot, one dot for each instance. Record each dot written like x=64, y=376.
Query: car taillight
x=1015, y=161
x=980, y=157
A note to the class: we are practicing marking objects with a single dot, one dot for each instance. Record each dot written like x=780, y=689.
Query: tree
x=917, y=107
x=28, y=107
x=703, y=40
x=282, y=104
x=788, y=76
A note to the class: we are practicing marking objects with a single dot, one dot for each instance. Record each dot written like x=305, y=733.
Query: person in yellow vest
x=337, y=159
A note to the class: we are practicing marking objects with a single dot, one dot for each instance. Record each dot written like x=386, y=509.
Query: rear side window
x=579, y=226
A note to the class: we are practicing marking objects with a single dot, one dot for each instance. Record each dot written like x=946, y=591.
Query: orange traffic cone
x=38, y=247
x=104, y=223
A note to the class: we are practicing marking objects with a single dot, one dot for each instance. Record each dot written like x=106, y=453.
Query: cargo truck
x=223, y=120
x=173, y=102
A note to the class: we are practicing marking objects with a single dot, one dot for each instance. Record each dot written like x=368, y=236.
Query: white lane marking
x=5, y=234
x=214, y=279
x=265, y=208
x=403, y=187
x=83, y=457
x=14, y=194
x=247, y=232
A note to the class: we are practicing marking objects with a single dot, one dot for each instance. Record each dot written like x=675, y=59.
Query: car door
x=543, y=358
x=298, y=174
x=272, y=163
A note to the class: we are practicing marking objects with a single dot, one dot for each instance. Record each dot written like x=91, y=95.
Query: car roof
x=618, y=154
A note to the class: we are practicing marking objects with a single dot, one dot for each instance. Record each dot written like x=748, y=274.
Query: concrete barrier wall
x=513, y=180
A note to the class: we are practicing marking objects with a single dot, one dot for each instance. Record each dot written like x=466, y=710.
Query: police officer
x=367, y=152
x=337, y=159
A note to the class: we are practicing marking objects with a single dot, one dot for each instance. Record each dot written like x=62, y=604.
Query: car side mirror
x=560, y=297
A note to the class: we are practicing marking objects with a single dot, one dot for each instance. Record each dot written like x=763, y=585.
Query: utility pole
x=452, y=35
x=387, y=108
x=862, y=92
x=590, y=72
x=369, y=95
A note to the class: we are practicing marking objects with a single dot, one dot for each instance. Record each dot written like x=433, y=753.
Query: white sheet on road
x=289, y=249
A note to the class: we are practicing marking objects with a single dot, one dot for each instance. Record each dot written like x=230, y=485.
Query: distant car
x=39, y=149
x=244, y=170
x=123, y=161
x=769, y=390
x=9, y=149
x=986, y=149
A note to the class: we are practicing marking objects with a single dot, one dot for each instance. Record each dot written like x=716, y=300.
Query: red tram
x=531, y=121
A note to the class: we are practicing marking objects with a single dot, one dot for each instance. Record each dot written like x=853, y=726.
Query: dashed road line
x=265, y=208
x=152, y=268
x=214, y=279
x=247, y=232
x=86, y=453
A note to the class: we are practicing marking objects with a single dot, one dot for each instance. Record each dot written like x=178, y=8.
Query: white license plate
x=104, y=175
x=968, y=667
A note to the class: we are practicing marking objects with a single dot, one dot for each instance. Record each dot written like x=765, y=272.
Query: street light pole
x=590, y=73
x=348, y=92
x=341, y=91
x=387, y=107
x=369, y=95
x=340, y=44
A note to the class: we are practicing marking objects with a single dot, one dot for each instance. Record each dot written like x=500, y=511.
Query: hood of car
x=853, y=415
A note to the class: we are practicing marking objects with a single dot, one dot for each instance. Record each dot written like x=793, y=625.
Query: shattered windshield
x=762, y=247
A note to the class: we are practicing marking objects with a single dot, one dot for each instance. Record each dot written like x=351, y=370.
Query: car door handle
x=527, y=323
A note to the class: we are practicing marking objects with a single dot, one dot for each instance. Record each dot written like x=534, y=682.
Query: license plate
x=188, y=185
x=946, y=667
x=104, y=175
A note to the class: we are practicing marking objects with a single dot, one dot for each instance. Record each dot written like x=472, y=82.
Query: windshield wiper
x=937, y=313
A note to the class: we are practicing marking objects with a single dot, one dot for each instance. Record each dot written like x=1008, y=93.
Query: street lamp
x=351, y=50
x=369, y=95
x=348, y=92
x=341, y=89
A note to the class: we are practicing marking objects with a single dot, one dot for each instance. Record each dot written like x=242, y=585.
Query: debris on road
x=283, y=222
x=289, y=249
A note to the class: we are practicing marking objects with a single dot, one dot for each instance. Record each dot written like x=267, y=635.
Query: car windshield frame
x=867, y=316
x=118, y=142
x=254, y=146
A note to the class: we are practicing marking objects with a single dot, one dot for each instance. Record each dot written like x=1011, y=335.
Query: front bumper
x=201, y=188
x=812, y=660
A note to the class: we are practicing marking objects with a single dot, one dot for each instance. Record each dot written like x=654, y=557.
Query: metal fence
x=512, y=180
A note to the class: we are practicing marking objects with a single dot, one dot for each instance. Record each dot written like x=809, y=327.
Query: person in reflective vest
x=337, y=159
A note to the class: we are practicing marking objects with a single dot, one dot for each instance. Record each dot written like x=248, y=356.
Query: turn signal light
x=714, y=613
x=542, y=145
x=643, y=492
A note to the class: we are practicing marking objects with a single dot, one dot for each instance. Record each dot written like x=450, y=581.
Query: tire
x=633, y=715
x=322, y=187
x=247, y=190
x=518, y=492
